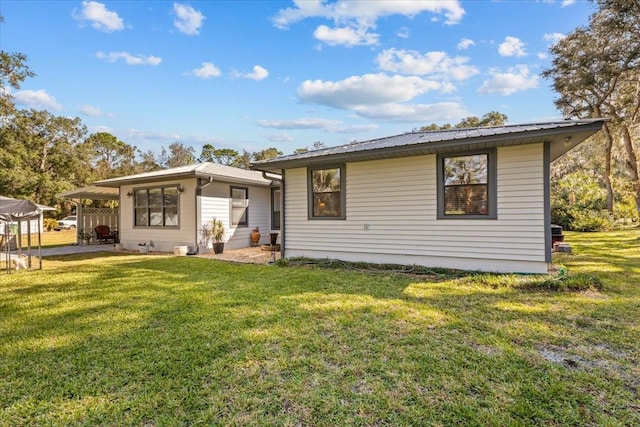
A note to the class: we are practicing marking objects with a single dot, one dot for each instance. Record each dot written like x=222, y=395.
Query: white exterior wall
x=216, y=202
x=396, y=199
x=164, y=239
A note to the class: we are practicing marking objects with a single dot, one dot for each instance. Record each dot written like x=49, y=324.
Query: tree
x=178, y=155
x=13, y=71
x=42, y=155
x=266, y=154
x=318, y=145
x=223, y=156
x=110, y=156
x=595, y=71
x=147, y=163
x=492, y=118
x=243, y=161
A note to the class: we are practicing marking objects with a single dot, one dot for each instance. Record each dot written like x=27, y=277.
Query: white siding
x=396, y=199
x=216, y=202
x=164, y=239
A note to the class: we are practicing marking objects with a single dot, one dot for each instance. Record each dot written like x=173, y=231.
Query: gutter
x=280, y=179
x=198, y=194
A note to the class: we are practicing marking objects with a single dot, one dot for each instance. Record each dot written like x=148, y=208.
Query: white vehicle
x=67, y=223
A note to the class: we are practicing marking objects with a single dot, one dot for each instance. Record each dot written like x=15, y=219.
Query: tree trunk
x=632, y=164
x=607, y=167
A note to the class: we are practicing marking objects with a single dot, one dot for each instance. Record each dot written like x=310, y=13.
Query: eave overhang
x=562, y=137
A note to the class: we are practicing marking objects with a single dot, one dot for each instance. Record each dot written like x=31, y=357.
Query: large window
x=327, y=193
x=467, y=185
x=156, y=207
x=275, y=208
x=240, y=206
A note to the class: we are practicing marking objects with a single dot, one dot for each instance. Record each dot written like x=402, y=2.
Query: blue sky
x=257, y=74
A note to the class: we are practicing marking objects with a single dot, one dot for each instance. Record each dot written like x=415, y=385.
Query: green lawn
x=160, y=341
x=52, y=238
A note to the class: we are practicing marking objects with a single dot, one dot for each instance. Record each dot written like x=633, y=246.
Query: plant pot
x=255, y=237
x=144, y=249
x=85, y=242
x=218, y=247
x=273, y=238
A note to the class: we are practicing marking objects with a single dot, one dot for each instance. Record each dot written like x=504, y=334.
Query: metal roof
x=563, y=135
x=91, y=192
x=198, y=170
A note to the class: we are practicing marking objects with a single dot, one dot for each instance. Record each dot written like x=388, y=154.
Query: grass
x=52, y=238
x=156, y=340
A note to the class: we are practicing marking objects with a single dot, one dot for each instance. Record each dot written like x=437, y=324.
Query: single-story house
x=474, y=198
x=167, y=208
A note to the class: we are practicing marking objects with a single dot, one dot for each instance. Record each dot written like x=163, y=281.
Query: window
x=156, y=207
x=240, y=206
x=467, y=185
x=275, y=208
x=327, y=193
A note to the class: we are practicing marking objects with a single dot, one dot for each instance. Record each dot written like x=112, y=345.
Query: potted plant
x=85, y=236
x=217, y=231
x=255, y=236
x=211, y=235
x=206, y=236
x=144, y=249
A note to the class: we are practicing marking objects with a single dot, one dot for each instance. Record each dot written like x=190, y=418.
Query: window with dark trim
x=275, y=208
x=156, y=207
x=326, y=189
x=467, y=185
x=240, y=206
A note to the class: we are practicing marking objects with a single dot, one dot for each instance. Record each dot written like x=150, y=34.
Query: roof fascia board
x=118, y=182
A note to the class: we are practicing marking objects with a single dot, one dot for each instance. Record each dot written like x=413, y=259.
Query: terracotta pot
x=255, y=237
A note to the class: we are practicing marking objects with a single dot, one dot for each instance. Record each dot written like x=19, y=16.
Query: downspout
x=282, y=204
x=546, y=167
x=199, y=188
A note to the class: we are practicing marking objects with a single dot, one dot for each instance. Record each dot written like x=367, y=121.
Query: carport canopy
x=92, y=192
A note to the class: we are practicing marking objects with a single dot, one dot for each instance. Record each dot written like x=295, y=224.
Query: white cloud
x=329, y=126
x=354, y=18
x=141, y=137
x=188, y=20
x=207, y=70
x=347, y=36
x=465, y=44
x=100, y=17
x=436, y=64
x=412, y=113
x=37, y=99
x=514, y=80
x=91, y=111
x=403, y=33
x=303, y=123
x=553, y=38
x=365, y=11
x=566, y=3
x=278, y=137
x=259, y=73
x=368, y=89
x=512, y=46
x=129, y=59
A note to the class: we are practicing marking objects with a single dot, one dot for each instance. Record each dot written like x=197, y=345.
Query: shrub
x=590, y=220
x=49, y=223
